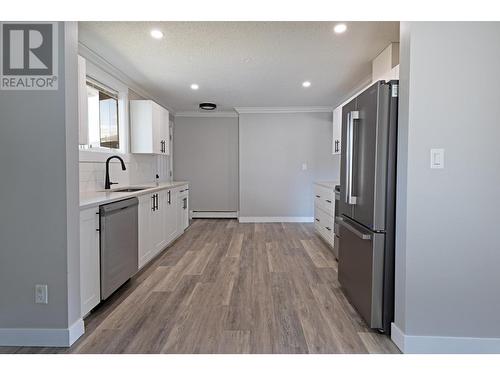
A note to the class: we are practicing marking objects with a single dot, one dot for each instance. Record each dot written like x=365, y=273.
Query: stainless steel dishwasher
x=118, y=244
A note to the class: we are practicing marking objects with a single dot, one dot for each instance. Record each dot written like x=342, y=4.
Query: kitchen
x=159, y=231
x=224, y=194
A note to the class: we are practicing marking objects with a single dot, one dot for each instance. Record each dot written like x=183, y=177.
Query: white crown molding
x=206, y=114
x=109, y=68
x=318, y=109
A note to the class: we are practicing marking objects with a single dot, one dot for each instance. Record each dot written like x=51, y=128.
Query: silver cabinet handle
x=353, y=230
x=351, y=116
x=328, y=228
x=329, y=201
x=317, y=196
x=317, y=220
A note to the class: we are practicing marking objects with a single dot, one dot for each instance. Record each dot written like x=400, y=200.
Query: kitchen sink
x=128, y=190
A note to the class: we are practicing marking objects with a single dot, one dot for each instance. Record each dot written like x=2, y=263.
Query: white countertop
x=328, y=184
x=96, y=198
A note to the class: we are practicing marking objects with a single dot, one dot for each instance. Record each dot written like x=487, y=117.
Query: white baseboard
x=214, y=214
x=55, y=337
x=410, y=344
x=276, y=219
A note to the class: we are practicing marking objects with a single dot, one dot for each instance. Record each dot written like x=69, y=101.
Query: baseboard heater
x=214, y=214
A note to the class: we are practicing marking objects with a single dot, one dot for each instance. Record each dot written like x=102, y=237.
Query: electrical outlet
x=41, y=294
x=304, y=166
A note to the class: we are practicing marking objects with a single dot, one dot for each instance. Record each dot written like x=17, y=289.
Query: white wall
x=206, y=155
x=39, y=208
x=273, y=147
x=447, y=251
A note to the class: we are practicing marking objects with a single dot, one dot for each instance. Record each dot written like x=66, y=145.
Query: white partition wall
x=447, y=250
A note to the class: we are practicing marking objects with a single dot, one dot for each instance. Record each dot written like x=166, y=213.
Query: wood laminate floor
x=226, y=287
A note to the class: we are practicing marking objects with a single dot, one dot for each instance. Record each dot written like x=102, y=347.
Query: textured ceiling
x=239, y=64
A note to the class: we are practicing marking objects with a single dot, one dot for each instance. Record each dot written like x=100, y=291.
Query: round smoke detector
x=208, y=106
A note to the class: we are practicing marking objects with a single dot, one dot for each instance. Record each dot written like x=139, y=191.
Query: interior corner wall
x=273, y=147
x=39, y=204
x=447, y=250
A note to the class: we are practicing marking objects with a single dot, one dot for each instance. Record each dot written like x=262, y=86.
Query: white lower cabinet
x=171, y=207
x=160, y=222
x=146, y=211
x=163, y=216
x=90, y=281
x=183, y=210
x=324, y=209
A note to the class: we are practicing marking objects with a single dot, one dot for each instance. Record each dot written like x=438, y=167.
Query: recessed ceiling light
x=194, y=86
x=306, y=84
x=157, y=34
x=340, y=28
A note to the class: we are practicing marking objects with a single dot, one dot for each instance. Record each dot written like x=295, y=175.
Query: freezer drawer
x=360, y=270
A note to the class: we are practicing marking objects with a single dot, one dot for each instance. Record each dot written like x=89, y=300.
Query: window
x=102, y=117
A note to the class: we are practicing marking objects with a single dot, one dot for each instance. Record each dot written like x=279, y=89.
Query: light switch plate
x=437, y=158
x=304, y=166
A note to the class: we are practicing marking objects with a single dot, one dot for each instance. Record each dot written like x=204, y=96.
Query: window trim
x=95, y=154
x=101, y=88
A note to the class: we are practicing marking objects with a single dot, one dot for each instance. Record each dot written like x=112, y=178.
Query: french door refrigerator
x=367, y=203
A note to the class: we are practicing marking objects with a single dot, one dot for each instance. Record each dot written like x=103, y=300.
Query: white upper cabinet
x=149, y=127
x=337, y=130
x=385, y=66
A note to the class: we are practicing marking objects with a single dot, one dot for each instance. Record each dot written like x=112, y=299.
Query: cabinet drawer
x=323, y=232
x=324, y=198
x=324, y=225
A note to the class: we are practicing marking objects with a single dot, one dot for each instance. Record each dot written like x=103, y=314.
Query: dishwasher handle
x=109, y=208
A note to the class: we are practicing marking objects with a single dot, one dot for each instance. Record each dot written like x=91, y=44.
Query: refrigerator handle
x=351, y=116
x=353, y=230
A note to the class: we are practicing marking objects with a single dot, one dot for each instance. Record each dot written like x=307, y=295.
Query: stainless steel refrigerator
x=367, y=203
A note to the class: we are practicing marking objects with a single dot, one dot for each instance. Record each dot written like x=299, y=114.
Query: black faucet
x=107, y=184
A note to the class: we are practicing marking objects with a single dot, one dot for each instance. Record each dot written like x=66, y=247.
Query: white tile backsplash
x=141, y=169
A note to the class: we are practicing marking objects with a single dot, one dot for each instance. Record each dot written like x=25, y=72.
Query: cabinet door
x=180, y=215
x=171, y=214
x=337, y=130
x=146, y=253
x=90, y=283
x=183, y=210
x=158, y=225
x=157, y=128
x=165, y=130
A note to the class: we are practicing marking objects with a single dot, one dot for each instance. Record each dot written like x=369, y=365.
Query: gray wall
x=448, y=252
x=39, y=199
x=272, y=150
x=206, y=155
